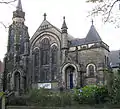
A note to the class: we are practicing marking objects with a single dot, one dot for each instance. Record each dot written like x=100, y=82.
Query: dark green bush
x=17, y=101
x=115, y=94
x=91, y=94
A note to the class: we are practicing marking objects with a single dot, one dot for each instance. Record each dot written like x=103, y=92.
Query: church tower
x=17, y=52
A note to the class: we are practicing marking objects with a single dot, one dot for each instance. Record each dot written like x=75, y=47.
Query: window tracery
x=45, y=51
x=54, y=54
x=36, y=64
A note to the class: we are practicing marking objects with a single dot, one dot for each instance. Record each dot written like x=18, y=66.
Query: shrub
x=115, y=94
x=17, y=101
x=90, y=94
x=44, y=97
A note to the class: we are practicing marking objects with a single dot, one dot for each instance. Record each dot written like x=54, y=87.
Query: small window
x=91, y=70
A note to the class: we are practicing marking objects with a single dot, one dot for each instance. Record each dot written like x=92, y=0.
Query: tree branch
x=4, y=25
x=104, y=9
x=5, y=2
x=111, y=10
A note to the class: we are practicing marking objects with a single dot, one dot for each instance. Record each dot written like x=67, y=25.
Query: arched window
x=36, y=64
x=45, y=51
x=54, y=54
x=36, y=57
x=8, y=81
x=17, y=81
x=91, y=70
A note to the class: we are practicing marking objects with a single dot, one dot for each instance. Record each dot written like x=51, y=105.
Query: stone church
x=52, y=58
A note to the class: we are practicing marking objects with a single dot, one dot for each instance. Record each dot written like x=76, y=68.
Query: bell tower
x=18, y=50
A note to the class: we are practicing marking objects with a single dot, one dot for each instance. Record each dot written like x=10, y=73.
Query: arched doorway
x=17, y=81
x=69, y=75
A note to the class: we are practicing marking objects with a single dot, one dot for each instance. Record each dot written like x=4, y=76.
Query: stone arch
x=54, y=44
x=43, y=35
x=88, y=69
x=19, y=72
x=54, y=60
x=17, y=79
x=36, y=62
x=35, y=48
x=73, y=68
x=46, y=37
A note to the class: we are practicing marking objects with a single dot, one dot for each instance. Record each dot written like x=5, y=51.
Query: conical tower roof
x=92, y=35
x=64, y=26
x=19, y=11
x=19, y=6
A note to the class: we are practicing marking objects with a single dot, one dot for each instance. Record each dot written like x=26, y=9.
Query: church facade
x=52, y=57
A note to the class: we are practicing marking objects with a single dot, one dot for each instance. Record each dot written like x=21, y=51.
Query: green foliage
x=17, y=101
x=45, y=97
x=115, y=95
x=90, y=94
x=42, y=97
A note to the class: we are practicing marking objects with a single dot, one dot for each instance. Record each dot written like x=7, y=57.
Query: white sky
x=76, y=12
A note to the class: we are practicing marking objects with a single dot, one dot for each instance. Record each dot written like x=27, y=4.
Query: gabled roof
x=92, y=36
x=44, y=25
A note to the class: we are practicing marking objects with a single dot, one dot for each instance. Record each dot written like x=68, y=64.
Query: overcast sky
x=75, y=11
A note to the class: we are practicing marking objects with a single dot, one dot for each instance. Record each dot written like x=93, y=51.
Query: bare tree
x=105, y=8
x=7, y=2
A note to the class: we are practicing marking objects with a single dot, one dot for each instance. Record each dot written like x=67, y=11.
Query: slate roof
x=19, y=6
x=92, y=36
x=115, y=58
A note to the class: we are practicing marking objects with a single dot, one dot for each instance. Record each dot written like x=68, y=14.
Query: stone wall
x=72, y=107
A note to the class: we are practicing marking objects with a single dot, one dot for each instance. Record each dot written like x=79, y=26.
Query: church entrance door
x=71, y=81
x=69, y=77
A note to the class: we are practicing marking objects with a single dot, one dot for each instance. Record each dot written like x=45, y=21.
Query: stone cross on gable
x=92, y=21
x=45, y=16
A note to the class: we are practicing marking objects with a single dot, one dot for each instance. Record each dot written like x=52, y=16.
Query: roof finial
x=45, y=16
x=64, y=24
x=64, y=18
x=19, y=6
x=92, y=21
